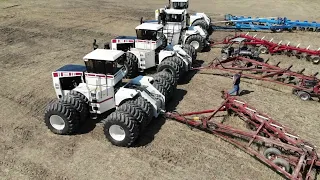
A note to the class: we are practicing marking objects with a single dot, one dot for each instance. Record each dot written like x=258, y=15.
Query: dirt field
x=37, y=37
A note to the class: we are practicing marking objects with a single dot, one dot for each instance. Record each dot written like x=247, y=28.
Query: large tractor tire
x=136, y=111
x=164, y=41
x=170, y=66
x=85, y=101
x=161, y=89
x=202, y=23
x=168, y=77
x=193, y=51
x=61, y=118
x=197, y=41
x=181, y=65
x=146, y=106
x=121, y=129
x=166, y=84
x=77, y=104
x=131, y=65
x=79, y=95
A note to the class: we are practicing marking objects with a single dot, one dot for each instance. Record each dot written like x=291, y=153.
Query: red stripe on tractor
x=114, y=41
x=78, y=74
x=105, y=100
x=55, y=74
x=98, y=75
x=109, y=76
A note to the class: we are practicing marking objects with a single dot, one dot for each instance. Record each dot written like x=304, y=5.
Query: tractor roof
x=72, y=67
x=104, y=54
x=150, y=26
x=174, y=11
x=179, y=0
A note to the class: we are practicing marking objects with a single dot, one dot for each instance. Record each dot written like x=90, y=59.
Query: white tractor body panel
x=146, y=57
x=197, y=30
x=194, y=17
x=123, y=94
x=147, y=44
x=164, y=54
x=144, y=81
x=184, y=56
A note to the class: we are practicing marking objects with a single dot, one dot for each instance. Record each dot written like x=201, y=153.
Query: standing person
x=236, y=83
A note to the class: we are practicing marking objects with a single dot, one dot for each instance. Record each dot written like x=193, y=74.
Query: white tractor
x=96, y=89
x=197, y=19
x=149, y=49
x=178, y=32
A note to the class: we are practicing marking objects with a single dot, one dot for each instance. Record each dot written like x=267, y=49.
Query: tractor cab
x=102, y=69
x=179, y=4
x=149, y=36
x=104, y=63
x=171, y=17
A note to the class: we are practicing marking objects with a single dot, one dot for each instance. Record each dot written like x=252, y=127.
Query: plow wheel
x=308, y=57
x=263, y=50
x=121, y=129
x=304, y=95
x=316, y=59
x=271, y=153
x=283, y=164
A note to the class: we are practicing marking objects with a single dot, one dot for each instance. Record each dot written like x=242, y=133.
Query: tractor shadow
x=155, y=125
x=189, y=75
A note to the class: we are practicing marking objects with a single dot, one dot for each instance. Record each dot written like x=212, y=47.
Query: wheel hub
x=117, y=132
x=195, y=44
x=57, y=122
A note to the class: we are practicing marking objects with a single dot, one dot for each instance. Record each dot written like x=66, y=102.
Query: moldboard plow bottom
x=304, y=86
x=269, y=141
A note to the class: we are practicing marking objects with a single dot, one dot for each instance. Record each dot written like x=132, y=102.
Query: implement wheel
x=283, y=164
x=271, y=153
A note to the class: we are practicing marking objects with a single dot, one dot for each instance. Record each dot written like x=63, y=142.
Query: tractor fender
x=183, y=55
x=197, y=16
x=164, y=54
x=123, y=94
x=200, y=31
x=145, y=87
x=135, y=53
x=205, y=17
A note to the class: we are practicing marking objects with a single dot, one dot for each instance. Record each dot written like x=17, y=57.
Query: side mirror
x=141, y=20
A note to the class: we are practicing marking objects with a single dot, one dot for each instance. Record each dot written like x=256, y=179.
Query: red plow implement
x=265, y=139
x=304, y=86
x=268, y=46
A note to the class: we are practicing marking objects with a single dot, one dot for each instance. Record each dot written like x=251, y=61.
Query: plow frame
x=294, y=24
x=276, y=48
x=266, y=72
x=267, y=132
